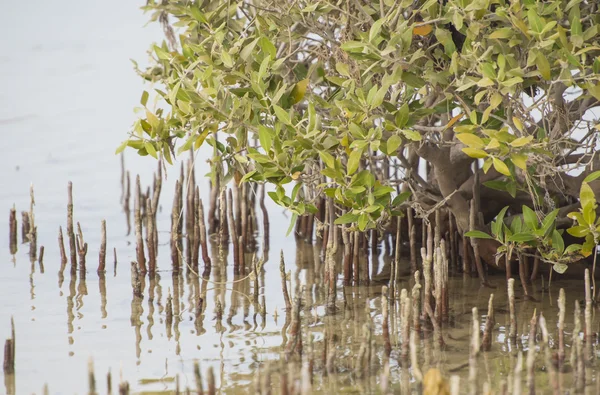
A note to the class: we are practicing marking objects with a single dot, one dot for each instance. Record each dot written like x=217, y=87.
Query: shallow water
x=69, y=91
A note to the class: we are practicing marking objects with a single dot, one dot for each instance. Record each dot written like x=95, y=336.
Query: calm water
x=66, y=103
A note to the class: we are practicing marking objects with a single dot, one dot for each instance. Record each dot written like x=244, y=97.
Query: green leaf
x=401, y=198
x=282, y=115
x=363, y=220
x=477, y=234
x=161, y=53
x=560, y=268
x=578, y=231
x=586, y=196
x=265, y=138
x=292, y=223
x=411, y=134
x=375, y=29
x=535, y=22
x=327, y=158
x=497, y=225
x=592, y=176
x=248, y=49
x=144, y=98
x=247, y=176
x=557, y=242
x=498, y=185
x=354, y=161
x=543, y=66
x=548, y=222
x=505, y=32
x=346, y=219
x=121, y=147
x=522, y=237
x=501, y=167
x=150, y=149
x=393, y=143
x=531, y=219
x=402, y=116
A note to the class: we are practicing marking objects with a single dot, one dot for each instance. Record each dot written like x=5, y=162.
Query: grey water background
x=68, y=90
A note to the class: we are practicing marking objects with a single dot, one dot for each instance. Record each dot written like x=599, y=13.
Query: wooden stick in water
x=387, y=346
x=561, y=327
x=175, y=219
x=70, y=228
x=405, y=311
x=474, y=351
x=486, y=341
x=475, y=244
x=412, y=234
x=12, y=221
x=203, y=237
x=233, y=232
x=137, y=219
x=286, y=295
x=548, y=358
x=416, y=303
x=150, y=237
x=102, y=253
x=588, y=316
x=531, y=355
x=61, y=247
x=25, y=226
x=512, y=331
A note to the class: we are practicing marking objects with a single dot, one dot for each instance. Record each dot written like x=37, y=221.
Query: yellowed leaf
x=519, y=160
x=299, y=91
x=296, y=175
x=501, y=167
x=518, y=124
x=454, y=119
x=422, y=30
x=493, y=144
x=470, y=140
x=521, y=141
